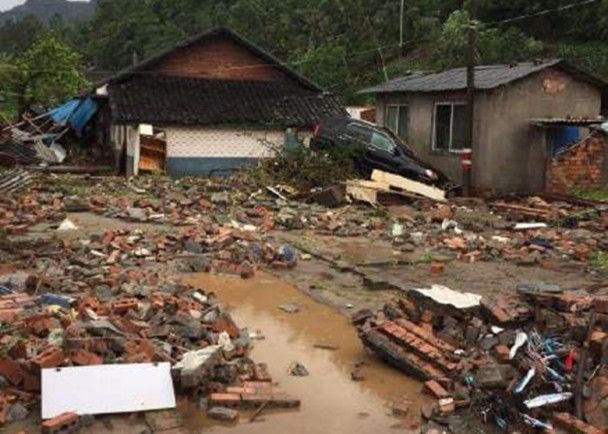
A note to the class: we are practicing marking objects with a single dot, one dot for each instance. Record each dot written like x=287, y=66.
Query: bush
x=304, y=169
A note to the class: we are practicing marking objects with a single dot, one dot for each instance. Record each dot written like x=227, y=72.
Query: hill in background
x=47, y=9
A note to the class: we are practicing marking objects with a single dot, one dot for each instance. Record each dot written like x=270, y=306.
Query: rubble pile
x=165, y=323
x=19, y=213
x=534, y=357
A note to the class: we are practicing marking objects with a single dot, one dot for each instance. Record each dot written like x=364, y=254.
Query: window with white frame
x=397, y=119
x=449, y=131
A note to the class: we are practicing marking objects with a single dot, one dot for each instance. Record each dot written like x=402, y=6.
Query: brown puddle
x=331, y=401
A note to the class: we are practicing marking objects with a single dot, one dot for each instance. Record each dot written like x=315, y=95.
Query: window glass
x=359, y=132
x=443, y=120
x=403, y=124
x=458, y=127
x=382, y=142
x=392, y=114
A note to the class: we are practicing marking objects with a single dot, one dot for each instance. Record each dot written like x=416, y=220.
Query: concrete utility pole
x=470, y=108
x=401, y=27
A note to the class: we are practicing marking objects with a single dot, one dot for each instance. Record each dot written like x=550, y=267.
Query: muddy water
x=331, y=401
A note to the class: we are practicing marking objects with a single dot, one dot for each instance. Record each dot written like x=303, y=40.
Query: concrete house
x=511, y=146
x=209, y=105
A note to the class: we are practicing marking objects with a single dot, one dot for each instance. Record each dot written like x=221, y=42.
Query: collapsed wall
x=581, y=166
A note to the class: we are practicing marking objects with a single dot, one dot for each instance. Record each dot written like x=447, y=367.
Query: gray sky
x=7, y=4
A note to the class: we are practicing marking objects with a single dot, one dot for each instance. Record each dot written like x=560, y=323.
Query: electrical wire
x=543, y=12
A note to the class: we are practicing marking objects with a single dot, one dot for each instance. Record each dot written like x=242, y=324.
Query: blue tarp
x=76, y=113
x=564, y=137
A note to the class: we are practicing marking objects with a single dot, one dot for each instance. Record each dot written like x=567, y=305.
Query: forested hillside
x=343, y=45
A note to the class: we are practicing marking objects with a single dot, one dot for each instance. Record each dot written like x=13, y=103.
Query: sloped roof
x=161, y=99
x=486, y=77
x=202, y=37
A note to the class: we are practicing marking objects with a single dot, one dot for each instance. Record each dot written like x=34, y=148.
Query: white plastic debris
x=397, y=230
x=528, y=226
x=225, y=342
x=444, y=295
x=520, y=340
x=522, y=385
x=142, y=252
x=194, y=360
x=67, y=225
x=60, y=152
x=499, y=239
x=451, y=224
x=496, y=330
x=552, y=398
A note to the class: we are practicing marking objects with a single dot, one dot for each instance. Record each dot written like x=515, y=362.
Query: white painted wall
x=196, y=142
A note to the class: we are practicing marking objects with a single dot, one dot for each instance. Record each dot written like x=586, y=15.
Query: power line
x=544, y=12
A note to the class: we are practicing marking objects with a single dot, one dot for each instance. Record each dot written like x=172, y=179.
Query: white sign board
x=107, y=389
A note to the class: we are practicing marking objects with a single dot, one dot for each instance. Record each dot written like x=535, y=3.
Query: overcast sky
x=7, y=4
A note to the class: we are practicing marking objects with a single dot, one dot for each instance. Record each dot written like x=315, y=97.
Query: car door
x=356, y=139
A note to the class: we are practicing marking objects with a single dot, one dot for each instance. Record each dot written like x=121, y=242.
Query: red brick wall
x=219, y=58
x=582, y=166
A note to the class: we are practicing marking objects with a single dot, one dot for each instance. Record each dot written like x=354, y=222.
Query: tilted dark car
x=374, y=147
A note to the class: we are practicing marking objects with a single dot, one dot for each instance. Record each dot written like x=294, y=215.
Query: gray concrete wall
x=509, y=154
x=420, y=137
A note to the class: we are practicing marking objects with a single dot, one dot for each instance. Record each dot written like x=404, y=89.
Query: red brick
x=601, y=304
x=124, y=305
x=502, y=352
x=225, y=400
x=437, y=267
x=64, y=423
x=85, y=358
x=51, y=357
x=436, y=389
x=11, y=371
x=573, y=425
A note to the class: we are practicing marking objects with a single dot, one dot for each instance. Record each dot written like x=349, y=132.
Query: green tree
x=17, y=36
x=47, y=73
x=494, y=45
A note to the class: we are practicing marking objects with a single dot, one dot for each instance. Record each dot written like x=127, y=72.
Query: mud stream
x=331, y=401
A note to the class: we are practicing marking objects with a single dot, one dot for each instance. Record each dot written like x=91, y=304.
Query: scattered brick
x=435, y=389
x=64, y=423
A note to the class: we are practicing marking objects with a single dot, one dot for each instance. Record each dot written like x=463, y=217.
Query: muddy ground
x=334, y=278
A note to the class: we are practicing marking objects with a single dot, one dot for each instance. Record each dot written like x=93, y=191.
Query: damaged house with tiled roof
x=524, y=115
x=206, y=107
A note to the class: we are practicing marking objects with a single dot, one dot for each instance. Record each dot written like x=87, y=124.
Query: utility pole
x=470, y=108
x=401, y=27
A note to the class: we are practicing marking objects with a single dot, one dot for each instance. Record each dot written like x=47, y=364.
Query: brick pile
x=469, y=359
x=165, y=325
x=581, y=166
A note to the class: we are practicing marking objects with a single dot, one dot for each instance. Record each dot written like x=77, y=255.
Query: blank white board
x=107, y=389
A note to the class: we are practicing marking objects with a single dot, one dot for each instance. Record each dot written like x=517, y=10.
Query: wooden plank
x=359, y=190
x=406, y=184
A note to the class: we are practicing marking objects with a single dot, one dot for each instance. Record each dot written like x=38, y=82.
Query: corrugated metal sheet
x=486, y=77
x=14, y=180
x=566, y=122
